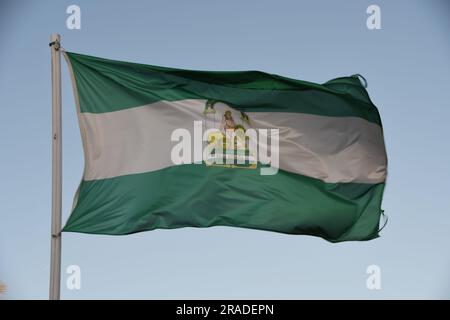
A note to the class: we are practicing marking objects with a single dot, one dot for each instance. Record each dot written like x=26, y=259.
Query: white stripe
x=137, y=140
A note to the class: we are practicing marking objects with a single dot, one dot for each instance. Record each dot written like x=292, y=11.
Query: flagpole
x=55, y=260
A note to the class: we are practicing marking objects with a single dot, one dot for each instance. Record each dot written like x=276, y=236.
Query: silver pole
x=55, y=260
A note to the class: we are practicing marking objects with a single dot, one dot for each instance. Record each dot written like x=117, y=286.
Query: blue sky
x=407, y=67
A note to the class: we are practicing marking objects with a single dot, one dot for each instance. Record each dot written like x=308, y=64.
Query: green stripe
x=107, y=85
x=199, y=196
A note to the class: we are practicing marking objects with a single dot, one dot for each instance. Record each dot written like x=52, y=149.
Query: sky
x=406, y=64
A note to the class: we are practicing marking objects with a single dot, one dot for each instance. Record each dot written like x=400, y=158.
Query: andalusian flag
x=169, y=148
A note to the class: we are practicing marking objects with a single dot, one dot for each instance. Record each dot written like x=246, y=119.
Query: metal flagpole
x=55, y=260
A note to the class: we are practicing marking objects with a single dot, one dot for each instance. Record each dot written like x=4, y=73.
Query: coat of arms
x=229, y=143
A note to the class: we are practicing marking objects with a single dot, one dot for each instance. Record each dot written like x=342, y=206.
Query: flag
x=168, y=148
